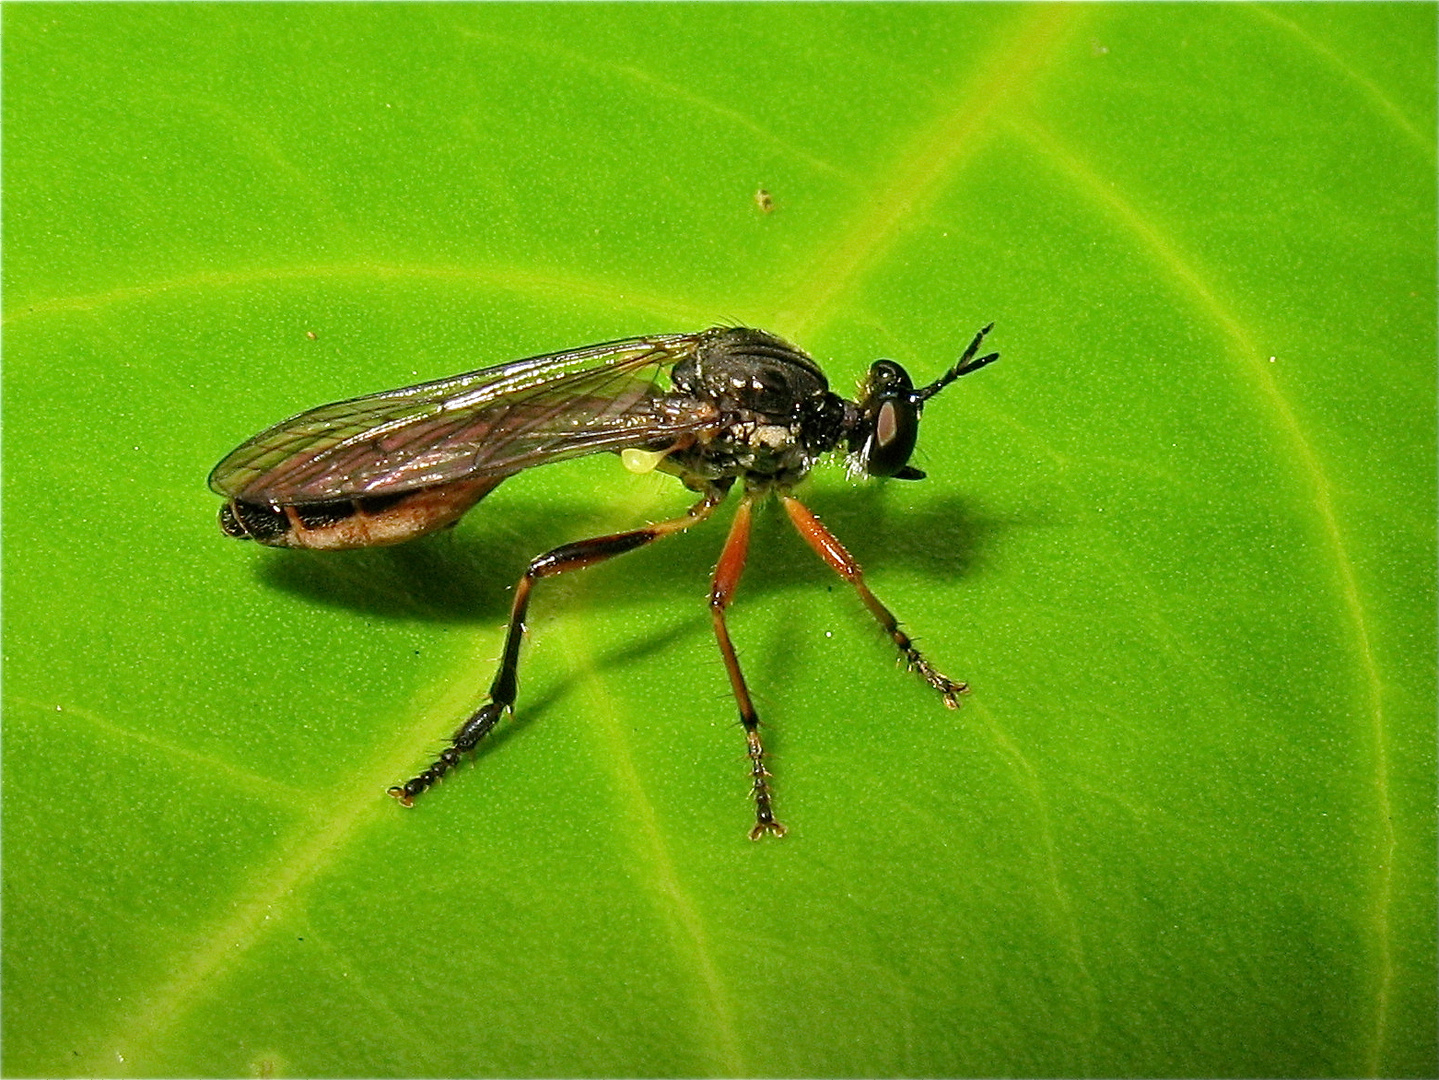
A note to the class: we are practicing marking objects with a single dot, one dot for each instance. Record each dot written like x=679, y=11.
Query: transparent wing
x=492, y=422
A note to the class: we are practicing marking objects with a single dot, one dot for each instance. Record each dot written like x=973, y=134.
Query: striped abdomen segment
x=368, y=521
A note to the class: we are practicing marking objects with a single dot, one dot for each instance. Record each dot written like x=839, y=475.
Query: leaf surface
x=1180, y=540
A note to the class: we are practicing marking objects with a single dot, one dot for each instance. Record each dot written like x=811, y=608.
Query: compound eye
x=896, y=425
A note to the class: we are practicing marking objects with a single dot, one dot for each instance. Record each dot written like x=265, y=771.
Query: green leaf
x=1180, y=540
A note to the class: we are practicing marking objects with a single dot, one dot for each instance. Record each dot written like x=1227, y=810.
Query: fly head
x=885, y=430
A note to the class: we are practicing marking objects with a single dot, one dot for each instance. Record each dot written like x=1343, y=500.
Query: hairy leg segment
x=726, y=580
x=828, y=547
x=505, y=688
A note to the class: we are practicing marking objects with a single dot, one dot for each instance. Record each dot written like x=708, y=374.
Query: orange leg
x=726, y=580
x=827, y=545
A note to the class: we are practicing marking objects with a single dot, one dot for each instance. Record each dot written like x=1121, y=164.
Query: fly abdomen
x=254, y=521
x=371, y=521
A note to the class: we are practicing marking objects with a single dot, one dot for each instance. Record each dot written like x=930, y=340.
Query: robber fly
x=724, y=405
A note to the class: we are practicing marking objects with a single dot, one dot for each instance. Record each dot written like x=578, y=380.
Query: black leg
x=827, y=545
x=505, y=687
x=726, y=580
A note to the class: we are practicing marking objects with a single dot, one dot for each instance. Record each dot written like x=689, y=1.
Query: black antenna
x=963, y=366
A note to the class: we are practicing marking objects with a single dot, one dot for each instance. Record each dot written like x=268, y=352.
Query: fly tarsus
x=764, y=821
x=465, y=739
x=948, y=688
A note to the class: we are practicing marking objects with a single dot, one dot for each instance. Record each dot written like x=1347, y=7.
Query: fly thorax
x=748, y=371
x=822, y=422
x=771, y=450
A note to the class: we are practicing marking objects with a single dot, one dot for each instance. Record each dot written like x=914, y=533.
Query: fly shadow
x=467, y=577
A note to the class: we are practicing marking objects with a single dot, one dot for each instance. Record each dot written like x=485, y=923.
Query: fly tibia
x=465, y=739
